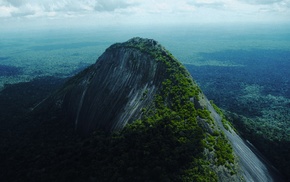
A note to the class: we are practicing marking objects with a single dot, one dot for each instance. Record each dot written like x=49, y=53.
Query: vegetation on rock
x=254, y=91
x=166, y=144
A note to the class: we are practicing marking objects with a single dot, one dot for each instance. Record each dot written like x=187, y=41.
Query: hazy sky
x=36, y=13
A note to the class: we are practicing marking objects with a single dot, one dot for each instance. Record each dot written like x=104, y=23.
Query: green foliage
x=216, y=108
x=162, y=142
x=225, y=123
x=223, y=151
x=203, y=113
x=201, y=172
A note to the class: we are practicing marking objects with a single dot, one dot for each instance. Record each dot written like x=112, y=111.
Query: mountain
x=138, y=87
x=112, y=93
x=134, y=115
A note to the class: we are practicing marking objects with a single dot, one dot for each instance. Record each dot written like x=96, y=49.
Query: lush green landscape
x=244, y=71
x=254, y=92
x=166, y=144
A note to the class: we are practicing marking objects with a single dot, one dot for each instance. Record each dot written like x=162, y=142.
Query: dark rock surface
x=112, y=92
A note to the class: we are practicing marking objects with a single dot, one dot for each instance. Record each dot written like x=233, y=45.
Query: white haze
x=49, y=14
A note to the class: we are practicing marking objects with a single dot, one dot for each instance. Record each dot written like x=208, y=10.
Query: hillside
x=135, y=115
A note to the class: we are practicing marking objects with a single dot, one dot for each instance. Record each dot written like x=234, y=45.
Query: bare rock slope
x=112, y=92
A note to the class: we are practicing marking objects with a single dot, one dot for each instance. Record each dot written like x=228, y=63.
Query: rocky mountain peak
x=142, y=43
x=113, y=91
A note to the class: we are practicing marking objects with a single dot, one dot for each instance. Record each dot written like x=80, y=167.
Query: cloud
x=15, y=3
x=215, y=4
x=5, y=11
x=22, y=8
x=26, y=10
x=97, y=12
x=111, y=5
x=262, y=1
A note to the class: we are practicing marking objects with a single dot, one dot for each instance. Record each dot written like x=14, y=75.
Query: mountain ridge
x=149, y=73
x=160, y=124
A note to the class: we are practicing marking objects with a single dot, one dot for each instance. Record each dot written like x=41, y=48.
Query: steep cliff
x=112, y=92
x=122, y=82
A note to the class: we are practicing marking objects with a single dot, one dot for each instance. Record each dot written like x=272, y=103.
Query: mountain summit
x=113, y=91
x=161, y=126
x=120, y=85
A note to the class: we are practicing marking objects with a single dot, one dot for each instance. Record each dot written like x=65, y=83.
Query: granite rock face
x=112, y=92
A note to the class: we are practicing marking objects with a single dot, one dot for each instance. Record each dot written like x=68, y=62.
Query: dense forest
x=252, y=87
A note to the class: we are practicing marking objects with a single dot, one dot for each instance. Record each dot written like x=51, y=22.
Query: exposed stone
x=110, y=93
